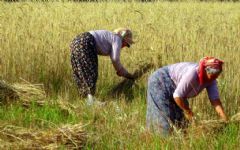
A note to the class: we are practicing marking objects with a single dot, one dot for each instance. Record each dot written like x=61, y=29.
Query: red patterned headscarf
x=210, y=65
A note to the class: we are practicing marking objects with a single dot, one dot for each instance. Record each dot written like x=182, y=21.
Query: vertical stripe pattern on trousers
x=162, y=111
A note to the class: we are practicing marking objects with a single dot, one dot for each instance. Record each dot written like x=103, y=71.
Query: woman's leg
x=177, y=115
x=158, y=111
x=84, y=63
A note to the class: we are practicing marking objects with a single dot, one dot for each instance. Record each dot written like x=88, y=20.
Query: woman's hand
x=118, y=73
x=130, y=76
x=219, y=109
x=188, y=114
x=187, y=111
x=224, y=118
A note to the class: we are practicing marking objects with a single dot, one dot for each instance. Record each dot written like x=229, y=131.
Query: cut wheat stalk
x=212, y=126
x=25, y=92
x=125, y=85
x=70, y=136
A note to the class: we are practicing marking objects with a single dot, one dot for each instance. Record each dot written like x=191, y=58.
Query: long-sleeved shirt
x=109, y=44
x=185, y=77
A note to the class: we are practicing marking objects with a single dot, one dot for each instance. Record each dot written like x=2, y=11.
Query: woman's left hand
x=219, y=109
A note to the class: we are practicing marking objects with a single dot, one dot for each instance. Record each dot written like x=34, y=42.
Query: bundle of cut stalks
x=236, y=117
x=68, y=136
x=212, y=126
x=7, y=93
x=124, y=86
x=25, y=92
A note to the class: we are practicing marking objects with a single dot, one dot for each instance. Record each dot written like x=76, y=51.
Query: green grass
x=35, y=116
x=34, y=45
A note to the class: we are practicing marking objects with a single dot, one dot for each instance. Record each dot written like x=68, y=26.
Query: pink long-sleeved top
x=109, y=44
x=185, y=77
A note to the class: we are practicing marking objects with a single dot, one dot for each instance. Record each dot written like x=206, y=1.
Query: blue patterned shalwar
x=162, y=111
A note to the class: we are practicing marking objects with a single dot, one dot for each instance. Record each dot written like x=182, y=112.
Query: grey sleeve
x=212, y=91
x=115, y=58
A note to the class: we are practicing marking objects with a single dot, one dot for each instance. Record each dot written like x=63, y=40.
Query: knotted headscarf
x=211, y=65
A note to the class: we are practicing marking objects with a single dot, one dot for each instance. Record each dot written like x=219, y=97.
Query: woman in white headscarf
x=85, y=49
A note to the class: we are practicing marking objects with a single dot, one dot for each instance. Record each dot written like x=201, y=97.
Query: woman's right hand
x=130, y=76
x=118, y=73
x=188, y=114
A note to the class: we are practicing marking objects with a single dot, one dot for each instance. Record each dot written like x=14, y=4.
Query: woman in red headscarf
x=169, y=88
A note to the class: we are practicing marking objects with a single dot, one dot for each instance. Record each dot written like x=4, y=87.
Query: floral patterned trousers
x=84, y=62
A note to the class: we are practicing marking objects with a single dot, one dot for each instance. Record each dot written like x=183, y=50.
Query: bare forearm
x=219, y=109
x=181, y=104
x=120, y=70
x=187, y=111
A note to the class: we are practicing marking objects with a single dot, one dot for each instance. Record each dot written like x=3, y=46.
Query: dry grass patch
x=208, y=127
x=25, y=92
x=69, y=136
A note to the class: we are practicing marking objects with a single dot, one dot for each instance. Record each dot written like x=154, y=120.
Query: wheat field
x=34, y=46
